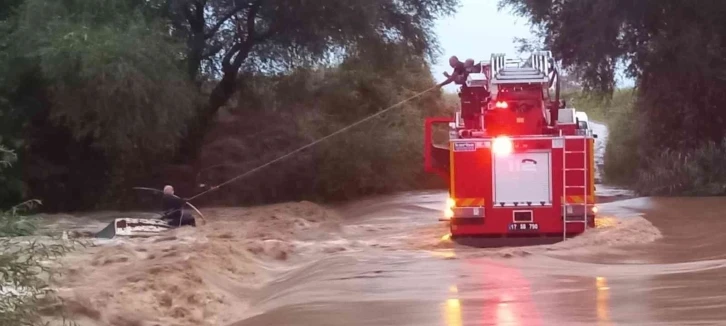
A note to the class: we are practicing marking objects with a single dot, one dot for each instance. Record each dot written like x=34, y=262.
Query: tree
x=226, y=37
x=377, y=156
x=672, y=48
x=107, y=85
x=112, y=72
x=569, y=78
x=97, y=95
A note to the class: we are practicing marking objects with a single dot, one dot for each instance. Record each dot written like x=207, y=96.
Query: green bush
x=621, y=152
x=697, y=172
x=601, y=109
x=25, y=272
x=621, y=156
x=381, y=155
x=632, y=161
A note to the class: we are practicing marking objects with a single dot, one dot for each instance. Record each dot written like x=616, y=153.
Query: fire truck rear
x=519, y=164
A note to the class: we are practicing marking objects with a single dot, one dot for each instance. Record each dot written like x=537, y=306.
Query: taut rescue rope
x=310, y=144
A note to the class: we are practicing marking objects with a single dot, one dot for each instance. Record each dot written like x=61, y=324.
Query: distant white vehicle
x=582, y=121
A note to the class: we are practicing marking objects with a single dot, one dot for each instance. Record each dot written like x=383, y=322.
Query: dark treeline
x=98, y=96
x=671, y=139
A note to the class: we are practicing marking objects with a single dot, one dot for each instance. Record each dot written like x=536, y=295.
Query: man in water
x=173, y=208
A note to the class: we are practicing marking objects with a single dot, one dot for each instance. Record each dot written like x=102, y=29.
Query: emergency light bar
x=501, y=105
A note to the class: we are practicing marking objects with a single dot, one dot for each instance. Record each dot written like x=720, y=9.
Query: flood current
x=650, y=261
x=654, y=261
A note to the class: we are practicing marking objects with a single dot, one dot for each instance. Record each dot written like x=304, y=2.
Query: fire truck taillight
x=501, y=105
x=502, y=146
x=449, y=212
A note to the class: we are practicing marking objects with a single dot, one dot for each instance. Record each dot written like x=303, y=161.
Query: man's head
x=453, y=61
x=168, y=190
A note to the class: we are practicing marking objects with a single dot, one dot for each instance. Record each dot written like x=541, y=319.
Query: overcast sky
x=476, y=31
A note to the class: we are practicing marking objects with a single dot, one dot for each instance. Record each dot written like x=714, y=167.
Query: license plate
x=523, y=227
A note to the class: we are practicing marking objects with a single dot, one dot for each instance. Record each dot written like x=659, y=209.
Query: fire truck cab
x=518, y=163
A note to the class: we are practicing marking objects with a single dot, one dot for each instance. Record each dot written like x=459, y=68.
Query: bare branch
x=228, y=56
x=195, y=16
x=251, y=38
x=223, y=20
x=251, y=15
x=199, y=10
x=241, y=50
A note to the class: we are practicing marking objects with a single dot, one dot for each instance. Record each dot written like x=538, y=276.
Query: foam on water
x=388, y=250
x=195, y=276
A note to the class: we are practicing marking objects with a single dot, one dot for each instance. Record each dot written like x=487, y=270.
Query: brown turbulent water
x=652, y=261
x=387, y=261
x=659, y=261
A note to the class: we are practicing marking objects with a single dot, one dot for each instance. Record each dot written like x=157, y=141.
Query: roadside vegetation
x=26, y=296
x=382, y=155
x=98, y=96
x=601, y=109
x=670, y=140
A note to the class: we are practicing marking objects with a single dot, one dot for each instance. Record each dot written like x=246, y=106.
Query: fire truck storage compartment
x=523, y=178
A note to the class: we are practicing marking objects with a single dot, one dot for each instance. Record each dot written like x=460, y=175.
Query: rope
x=310, y=144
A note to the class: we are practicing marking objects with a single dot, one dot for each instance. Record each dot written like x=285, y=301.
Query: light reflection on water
x=505, y=315
x=452, y=312
x=603, y=301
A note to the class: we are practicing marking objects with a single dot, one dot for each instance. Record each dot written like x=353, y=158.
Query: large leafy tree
x=372, y=157
x=227, y=37
x=112, y=72
x=101, y=90
x=98, y=93
x=672, y=138
x=15, y=106
x=673, y=48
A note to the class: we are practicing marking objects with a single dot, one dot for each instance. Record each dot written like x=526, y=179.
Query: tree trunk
x=194, y=139
x=192, y=144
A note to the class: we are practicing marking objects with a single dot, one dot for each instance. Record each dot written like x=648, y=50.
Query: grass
x=696, y=172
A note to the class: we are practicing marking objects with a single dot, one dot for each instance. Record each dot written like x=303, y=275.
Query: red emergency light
x=502, y=146
x=501, y=105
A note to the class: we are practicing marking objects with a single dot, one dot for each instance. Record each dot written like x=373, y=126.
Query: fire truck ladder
x=517, y=71
x=565, y=205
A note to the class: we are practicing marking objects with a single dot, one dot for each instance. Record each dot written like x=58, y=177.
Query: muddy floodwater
x=655, y=263
x=387, y=261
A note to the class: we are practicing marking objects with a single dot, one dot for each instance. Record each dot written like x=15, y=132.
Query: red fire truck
x=519, y=163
